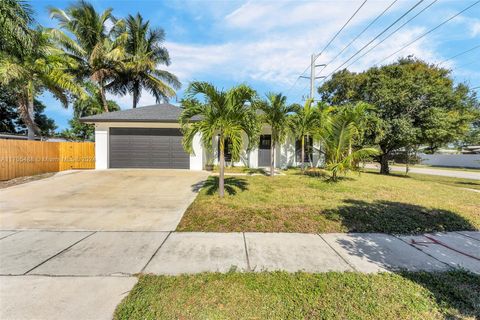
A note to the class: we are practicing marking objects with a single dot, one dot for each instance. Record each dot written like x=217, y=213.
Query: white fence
x=451, y=160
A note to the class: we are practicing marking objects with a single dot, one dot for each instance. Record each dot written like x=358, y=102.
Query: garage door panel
x=147, y=148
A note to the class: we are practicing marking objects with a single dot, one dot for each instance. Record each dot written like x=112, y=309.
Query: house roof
x=163, y=112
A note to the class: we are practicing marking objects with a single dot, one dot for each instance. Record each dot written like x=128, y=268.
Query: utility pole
x=312, y=77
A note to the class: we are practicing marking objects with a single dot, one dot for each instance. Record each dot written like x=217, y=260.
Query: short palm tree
x=144, y=55
x=44, y=68
x=15, y=20
x=305, y=123
x=228, y=114
x=97, y=43
x=337, y=135
x=276, y=113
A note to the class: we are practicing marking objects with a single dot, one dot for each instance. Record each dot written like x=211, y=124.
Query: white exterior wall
x=196, y=159
x=284, y=153
x=101, y=146
x=451, y=160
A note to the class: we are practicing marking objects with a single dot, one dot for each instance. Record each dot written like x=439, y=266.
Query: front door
x=264, y=150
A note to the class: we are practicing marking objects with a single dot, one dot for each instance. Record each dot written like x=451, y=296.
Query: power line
x=466, y=64
x=376, y=37
x=459, y=54
x=343, y=27
x=331, y=40
x=429, y=31
x=360, y=34
x=392, y=33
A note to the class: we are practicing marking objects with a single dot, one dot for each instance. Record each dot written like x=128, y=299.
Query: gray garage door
x=147, y=148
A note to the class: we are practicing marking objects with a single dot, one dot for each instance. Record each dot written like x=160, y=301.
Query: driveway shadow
x=232, y=185
x=395, y=217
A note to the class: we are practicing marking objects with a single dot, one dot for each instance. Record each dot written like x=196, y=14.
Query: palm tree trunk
x=272, y=157
x=303, y=153
x=103, y=97
x=136, y=94
x=30, y=124
x=134, y=100
x=221, y=178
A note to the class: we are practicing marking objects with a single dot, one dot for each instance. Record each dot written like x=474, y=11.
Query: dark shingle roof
x=163, y=112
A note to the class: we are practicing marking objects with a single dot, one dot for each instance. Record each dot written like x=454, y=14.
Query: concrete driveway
x=109, y=200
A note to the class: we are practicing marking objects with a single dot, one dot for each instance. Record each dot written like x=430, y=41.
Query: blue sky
x=267, y=44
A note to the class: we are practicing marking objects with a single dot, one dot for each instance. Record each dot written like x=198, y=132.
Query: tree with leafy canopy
x=89, y=105
x=10, y=121
x=229, y=114
x=96, y=41
x=416, y=103
x=43, y=68
x=16, y=35
x=276, y=113
x=144, y=54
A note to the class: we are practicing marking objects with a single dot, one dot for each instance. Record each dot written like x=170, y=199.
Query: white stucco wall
x=197, y=158
x=284, y=153
x=451, y=160
x=101, y=147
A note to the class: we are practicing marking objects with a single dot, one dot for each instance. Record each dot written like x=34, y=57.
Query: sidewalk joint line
x=338, y=253
x=156, y=251
x=60, y=252
x=445, y=263
x=459, y=232
x=246, y=252
x=8, y=235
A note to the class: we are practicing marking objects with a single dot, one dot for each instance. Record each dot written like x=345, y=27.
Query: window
x=308, y=150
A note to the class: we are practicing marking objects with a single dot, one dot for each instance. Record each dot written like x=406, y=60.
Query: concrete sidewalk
x=84, y=275
x=432, y=171
x=70, y=253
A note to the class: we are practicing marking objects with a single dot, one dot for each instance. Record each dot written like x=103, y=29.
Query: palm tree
x=97, y=43
x=144, y=53
x=276, y=113
x=228, y=114
x=15, y=33
x=304, y=123
x=337, y=135
x=91, y=104
x=44, y=68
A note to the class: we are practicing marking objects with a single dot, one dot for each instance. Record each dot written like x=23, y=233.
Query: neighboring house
x=150, y=137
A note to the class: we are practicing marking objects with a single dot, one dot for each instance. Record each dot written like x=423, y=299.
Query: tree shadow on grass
x=476, y=184
x=456, y=292
x=232, y=185
x=395, y=218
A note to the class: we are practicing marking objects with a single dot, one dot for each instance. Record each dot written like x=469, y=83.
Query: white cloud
x=271, y=42
x=475, y=29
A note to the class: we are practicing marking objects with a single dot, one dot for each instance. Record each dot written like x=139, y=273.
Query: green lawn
x=366, y=202
x=281, y=295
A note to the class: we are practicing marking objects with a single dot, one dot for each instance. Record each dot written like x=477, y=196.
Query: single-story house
x=150, y=137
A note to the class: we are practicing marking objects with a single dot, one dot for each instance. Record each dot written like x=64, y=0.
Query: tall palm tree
x=304, y=123
x=337, y=136
x=228, y=114
x=91, y=104
x=15, y=33
x=144, y=54
x=44, y=68
x=276, y=114
x=97, y=43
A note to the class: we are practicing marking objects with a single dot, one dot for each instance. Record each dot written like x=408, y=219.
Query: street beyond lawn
x=366, y=202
